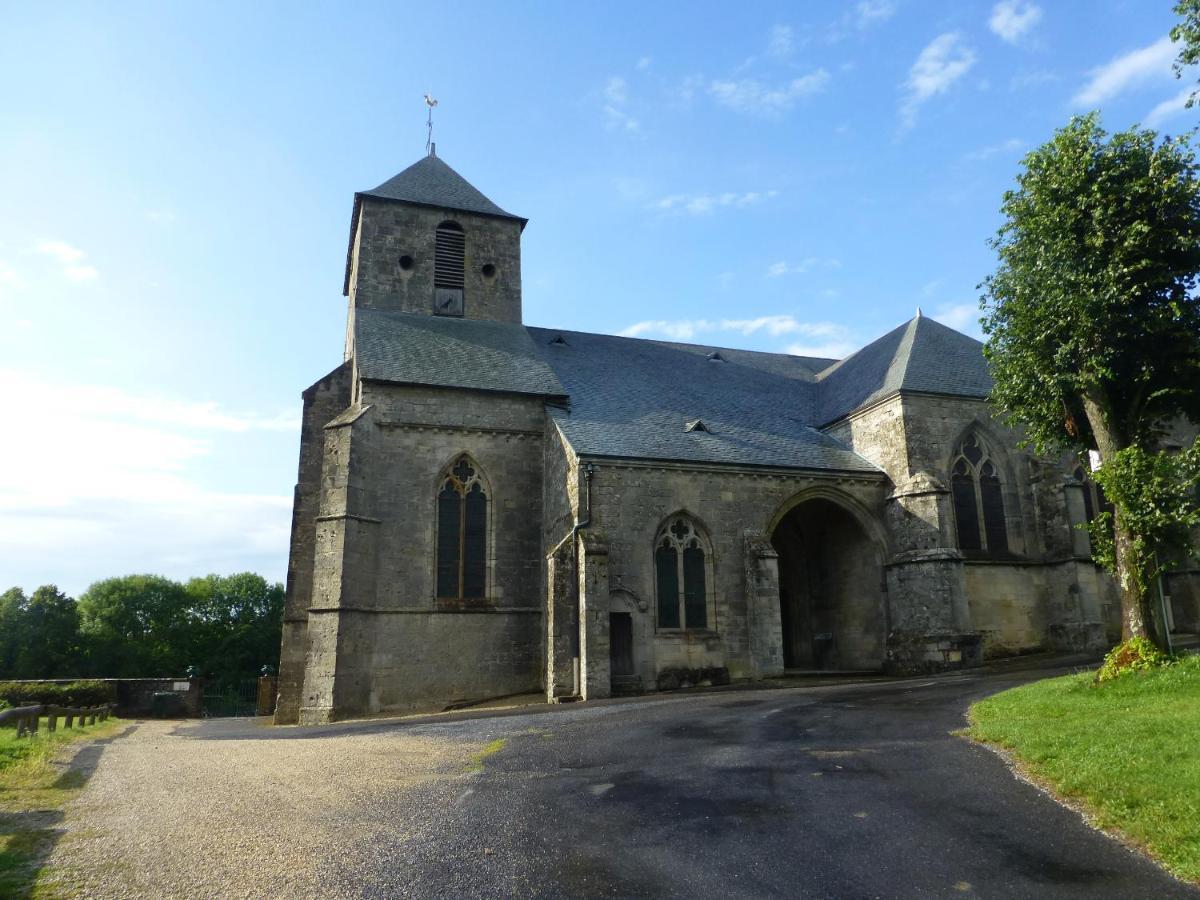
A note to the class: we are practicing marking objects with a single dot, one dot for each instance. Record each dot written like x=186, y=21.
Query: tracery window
x=462, y=518
x=681, y=564
x=978, y=498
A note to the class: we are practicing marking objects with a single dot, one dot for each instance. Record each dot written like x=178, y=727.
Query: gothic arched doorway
x=830, y=589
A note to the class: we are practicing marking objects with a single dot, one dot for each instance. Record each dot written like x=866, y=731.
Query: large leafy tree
x=1093, y=328
x=135, y=626
x=234, y=623
x=1186, y=33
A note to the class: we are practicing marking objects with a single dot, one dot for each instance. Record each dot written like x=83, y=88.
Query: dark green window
x=978, y=498
x=462, y=516
x=681, y=576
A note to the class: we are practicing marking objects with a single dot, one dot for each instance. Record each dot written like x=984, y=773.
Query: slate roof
x=641, y=399
x=921, y=355
x=634, y=399
x=413, y=348
x=431, y=182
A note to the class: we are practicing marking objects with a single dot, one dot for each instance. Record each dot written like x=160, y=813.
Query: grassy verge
x=1126, y=750
x=33, y=790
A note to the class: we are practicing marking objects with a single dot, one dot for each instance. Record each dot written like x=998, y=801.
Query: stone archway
x=831, y=599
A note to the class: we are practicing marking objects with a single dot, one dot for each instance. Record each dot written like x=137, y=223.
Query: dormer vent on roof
x=697, y=425
x=715, y=357
x=559, y=341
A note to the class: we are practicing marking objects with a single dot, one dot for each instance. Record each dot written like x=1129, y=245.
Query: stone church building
x=486, y=508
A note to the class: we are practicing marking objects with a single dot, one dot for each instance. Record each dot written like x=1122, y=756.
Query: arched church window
x=462, y=517
x=682, y=576
x=978, y=498
x=448, y=256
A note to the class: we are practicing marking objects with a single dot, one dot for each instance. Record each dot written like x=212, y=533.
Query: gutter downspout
x=580, y=524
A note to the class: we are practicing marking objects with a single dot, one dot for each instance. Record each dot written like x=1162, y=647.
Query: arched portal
x=830, y=589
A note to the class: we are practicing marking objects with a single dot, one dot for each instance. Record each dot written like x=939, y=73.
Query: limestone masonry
x=485, y=508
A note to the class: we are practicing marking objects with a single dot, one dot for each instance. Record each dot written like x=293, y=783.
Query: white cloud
x=8, y=275
x=942, y=62
x=106, y=485
x=616, y=96
x=780, y=41
x=777, y=269
x=1012, y=18
x=873, y=12
x=1168, y=109
x=752, y=96
x=963, y=317
x=70, y=258
x=827, y=350
x=160, y=216
x=725, y=280
x=773, y=326
x=1012, y=145
x=703, y=204
x=1129, y=71
x=644, y=63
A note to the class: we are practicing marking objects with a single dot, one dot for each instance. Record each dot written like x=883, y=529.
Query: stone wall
x=322, y=403
x=375, y=563
x=388, y=231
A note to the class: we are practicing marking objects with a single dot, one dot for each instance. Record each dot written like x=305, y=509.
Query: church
x=486, y=509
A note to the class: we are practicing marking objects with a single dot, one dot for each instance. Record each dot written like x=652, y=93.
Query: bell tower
x=427, y=242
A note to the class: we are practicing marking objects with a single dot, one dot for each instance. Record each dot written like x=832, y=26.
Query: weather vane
x=430, y=103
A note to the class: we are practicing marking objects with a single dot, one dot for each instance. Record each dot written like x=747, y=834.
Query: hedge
x=68, y=693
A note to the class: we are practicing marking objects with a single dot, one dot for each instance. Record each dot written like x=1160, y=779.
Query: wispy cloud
x=775, y=326
x=1169, y=108
x=703, y=204
x=749, y=95
x=1012, y=145
x=1129, y=71
x=963, y=317
x=160, y=216
x=868, y=13
x=780, y=42
x=70, y=259
x=942, y=62
x=1011, y=19
x=135, y=499
x=8, y=275
x=644, y=63
x=778, y=269
x=616, y=98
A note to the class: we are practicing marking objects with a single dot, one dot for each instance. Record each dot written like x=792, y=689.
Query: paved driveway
x=843, y=791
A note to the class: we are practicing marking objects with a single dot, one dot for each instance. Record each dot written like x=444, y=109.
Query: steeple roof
x=922, y=355
x=431, y=182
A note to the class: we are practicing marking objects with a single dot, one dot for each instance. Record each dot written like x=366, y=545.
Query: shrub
x=1134, y=655
x=67, y=693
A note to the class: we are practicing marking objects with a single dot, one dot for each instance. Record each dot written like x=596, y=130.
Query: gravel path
x=177, y=810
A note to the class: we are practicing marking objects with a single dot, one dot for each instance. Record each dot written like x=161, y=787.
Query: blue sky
x=176, y=182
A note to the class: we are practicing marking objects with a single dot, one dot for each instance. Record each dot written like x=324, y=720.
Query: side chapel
x=486, y=508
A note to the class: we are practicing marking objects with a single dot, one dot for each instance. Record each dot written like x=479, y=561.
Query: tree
x=1093, y=329
x=235, y=623
x=12, y=610
x=135, y=626
x=48, y=636
x=1187, y=33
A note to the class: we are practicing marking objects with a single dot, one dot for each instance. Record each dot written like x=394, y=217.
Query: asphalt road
x=821, y=791
x=848, y=791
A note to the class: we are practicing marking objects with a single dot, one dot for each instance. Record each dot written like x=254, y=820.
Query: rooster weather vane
x=430, y=103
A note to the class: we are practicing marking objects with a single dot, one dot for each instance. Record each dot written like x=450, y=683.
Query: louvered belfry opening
x=448, y=266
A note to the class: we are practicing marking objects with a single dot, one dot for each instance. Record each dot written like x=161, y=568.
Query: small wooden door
x=620, y=644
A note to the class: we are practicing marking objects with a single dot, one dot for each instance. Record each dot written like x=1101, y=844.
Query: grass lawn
x=1127, y=750
x=33, y=791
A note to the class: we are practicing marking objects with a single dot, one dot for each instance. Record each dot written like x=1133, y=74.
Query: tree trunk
x=1137, y=619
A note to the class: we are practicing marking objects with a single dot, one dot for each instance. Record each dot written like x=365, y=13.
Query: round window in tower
x=406, y=263
x=488, y=270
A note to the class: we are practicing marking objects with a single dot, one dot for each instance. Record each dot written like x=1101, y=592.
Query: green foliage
x=1158, y=498
x=4, y=704
x=1137, y=654
x=1093, y=296
x=134, y=625
x=143, y=626
x=1187, y=33
x=1127, y=751
x=71, y=693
